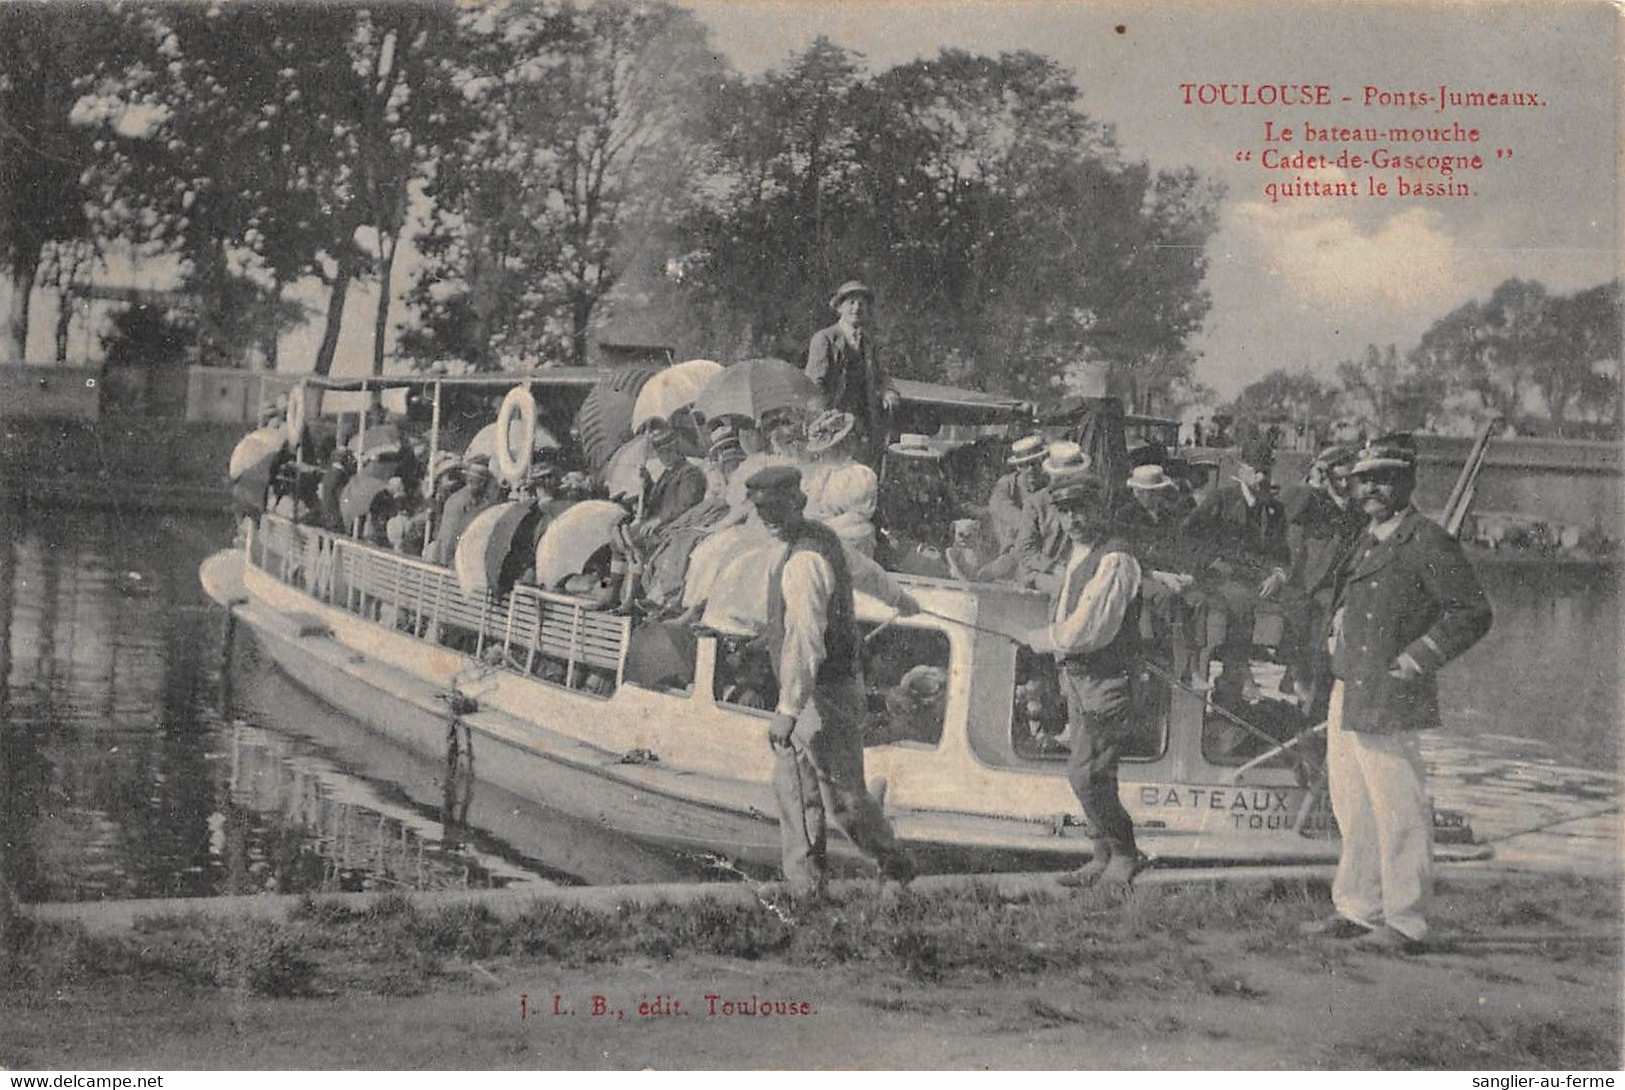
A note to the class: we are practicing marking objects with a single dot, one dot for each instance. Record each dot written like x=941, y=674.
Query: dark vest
x=841, y=629
x=1120, y=657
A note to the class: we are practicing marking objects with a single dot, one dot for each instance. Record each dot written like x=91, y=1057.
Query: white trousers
x=1379, y=797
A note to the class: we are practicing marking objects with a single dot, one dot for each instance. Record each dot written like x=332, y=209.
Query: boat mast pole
x=299, y=446
x=361, y=436
x=434, y=449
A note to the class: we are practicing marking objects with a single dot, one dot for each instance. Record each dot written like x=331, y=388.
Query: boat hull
x=592, y=757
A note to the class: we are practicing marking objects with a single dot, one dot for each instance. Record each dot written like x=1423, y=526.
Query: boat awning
x=953, y=405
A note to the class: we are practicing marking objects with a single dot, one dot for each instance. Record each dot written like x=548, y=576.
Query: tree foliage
x=586, y=126
x=1005, y=233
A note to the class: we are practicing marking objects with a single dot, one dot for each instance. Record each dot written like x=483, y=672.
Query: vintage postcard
x=863, y=535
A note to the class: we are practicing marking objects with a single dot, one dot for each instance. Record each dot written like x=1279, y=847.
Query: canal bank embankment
x=118, y=462
x=1524, y=974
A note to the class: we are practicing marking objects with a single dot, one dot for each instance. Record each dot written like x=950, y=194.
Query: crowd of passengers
x=1221, y=549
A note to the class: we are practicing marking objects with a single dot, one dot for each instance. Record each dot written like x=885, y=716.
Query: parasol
x=672, y=389
x=485, y=442
x=620, y=472
x=358, y=497
x=255, y=448
x=485, y=545
x=605, y=419
x=756, y=387
x=573, y=537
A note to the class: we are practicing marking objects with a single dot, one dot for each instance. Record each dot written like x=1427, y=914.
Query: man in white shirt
x=816, y=729
x=1095, y=637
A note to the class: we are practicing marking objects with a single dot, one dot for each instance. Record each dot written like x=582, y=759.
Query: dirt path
x=1217, y=997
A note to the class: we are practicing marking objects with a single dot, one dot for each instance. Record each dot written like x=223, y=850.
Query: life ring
x=294, y=426
x=514, y=468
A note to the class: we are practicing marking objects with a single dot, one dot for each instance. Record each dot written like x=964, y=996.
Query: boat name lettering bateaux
x=1250, y=808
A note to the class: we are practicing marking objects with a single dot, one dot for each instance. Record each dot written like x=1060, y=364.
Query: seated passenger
x=681, y=485
x=479, y=492
x=1008, y=501
x=1042, y=546
x=841, y=491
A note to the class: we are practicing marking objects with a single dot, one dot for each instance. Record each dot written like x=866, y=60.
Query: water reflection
x=133, y=765
x=136, y=762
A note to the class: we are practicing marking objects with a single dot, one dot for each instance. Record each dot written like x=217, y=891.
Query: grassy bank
x=1526, y=975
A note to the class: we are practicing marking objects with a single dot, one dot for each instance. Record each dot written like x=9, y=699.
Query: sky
x=1301, y=284
x=1298, y=283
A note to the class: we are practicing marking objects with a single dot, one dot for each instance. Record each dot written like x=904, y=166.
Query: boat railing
x=559, y=638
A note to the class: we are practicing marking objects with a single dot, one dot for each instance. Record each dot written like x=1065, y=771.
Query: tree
x=1386, y=391
x=1006, y=236
x=52, y=57
x=1298, y=397
x=589, y=130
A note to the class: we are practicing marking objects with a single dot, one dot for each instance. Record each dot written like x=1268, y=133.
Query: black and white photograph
x=866, y=535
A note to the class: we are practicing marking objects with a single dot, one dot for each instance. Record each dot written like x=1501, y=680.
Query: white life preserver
x=294, y=425
x=512, y=468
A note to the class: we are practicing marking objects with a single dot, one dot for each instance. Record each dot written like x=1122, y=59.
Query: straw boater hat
x=1336, y=455
x=725, y=442
x=663, y=436
x=1026, y=451
x=1066, y=459
x=1386, y=452
x=851, y=287
x=828, y=429
x=1149, y=478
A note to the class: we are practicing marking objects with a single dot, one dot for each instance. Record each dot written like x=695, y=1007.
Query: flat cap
x=773, y=479
x=851, y=287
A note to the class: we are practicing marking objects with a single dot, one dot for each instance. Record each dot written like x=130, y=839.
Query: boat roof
x=952, y=404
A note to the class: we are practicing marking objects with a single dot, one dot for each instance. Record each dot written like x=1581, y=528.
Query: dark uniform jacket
x=1414, y=594
x=853, y=381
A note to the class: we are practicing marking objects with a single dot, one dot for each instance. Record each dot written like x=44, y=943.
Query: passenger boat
x=530, y=689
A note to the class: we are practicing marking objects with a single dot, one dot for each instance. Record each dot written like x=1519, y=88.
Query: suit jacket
x=853, y=381
x=1414, y=594
x=1319, y=536
x=1249, y=537
x=679, y=488
x=1005, y=505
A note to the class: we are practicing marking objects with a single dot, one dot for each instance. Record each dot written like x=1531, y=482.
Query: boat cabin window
x=1252, y=704
x=1038, y=721
x=905, y=672
x=905, y=677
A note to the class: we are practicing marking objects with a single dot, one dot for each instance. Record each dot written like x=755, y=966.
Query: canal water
x=140, y=757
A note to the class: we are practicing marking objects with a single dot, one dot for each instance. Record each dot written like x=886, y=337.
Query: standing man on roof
x=842, y=360
x=1096, y=636
x=1408, y=602
x=816, y=730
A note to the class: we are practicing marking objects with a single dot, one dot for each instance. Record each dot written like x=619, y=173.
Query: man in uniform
x=841, y=359
x=682, y=484
x=816, y=731
x=1095, y=635
x=1408, y=602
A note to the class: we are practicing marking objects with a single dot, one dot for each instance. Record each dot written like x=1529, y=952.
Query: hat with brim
x=1066, y=459
x=851, y=287
x=1336, y=455
x=829, y=429
x=663, y=437
x=1028, y=450
x=1150, y=478
x=1385, y=452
